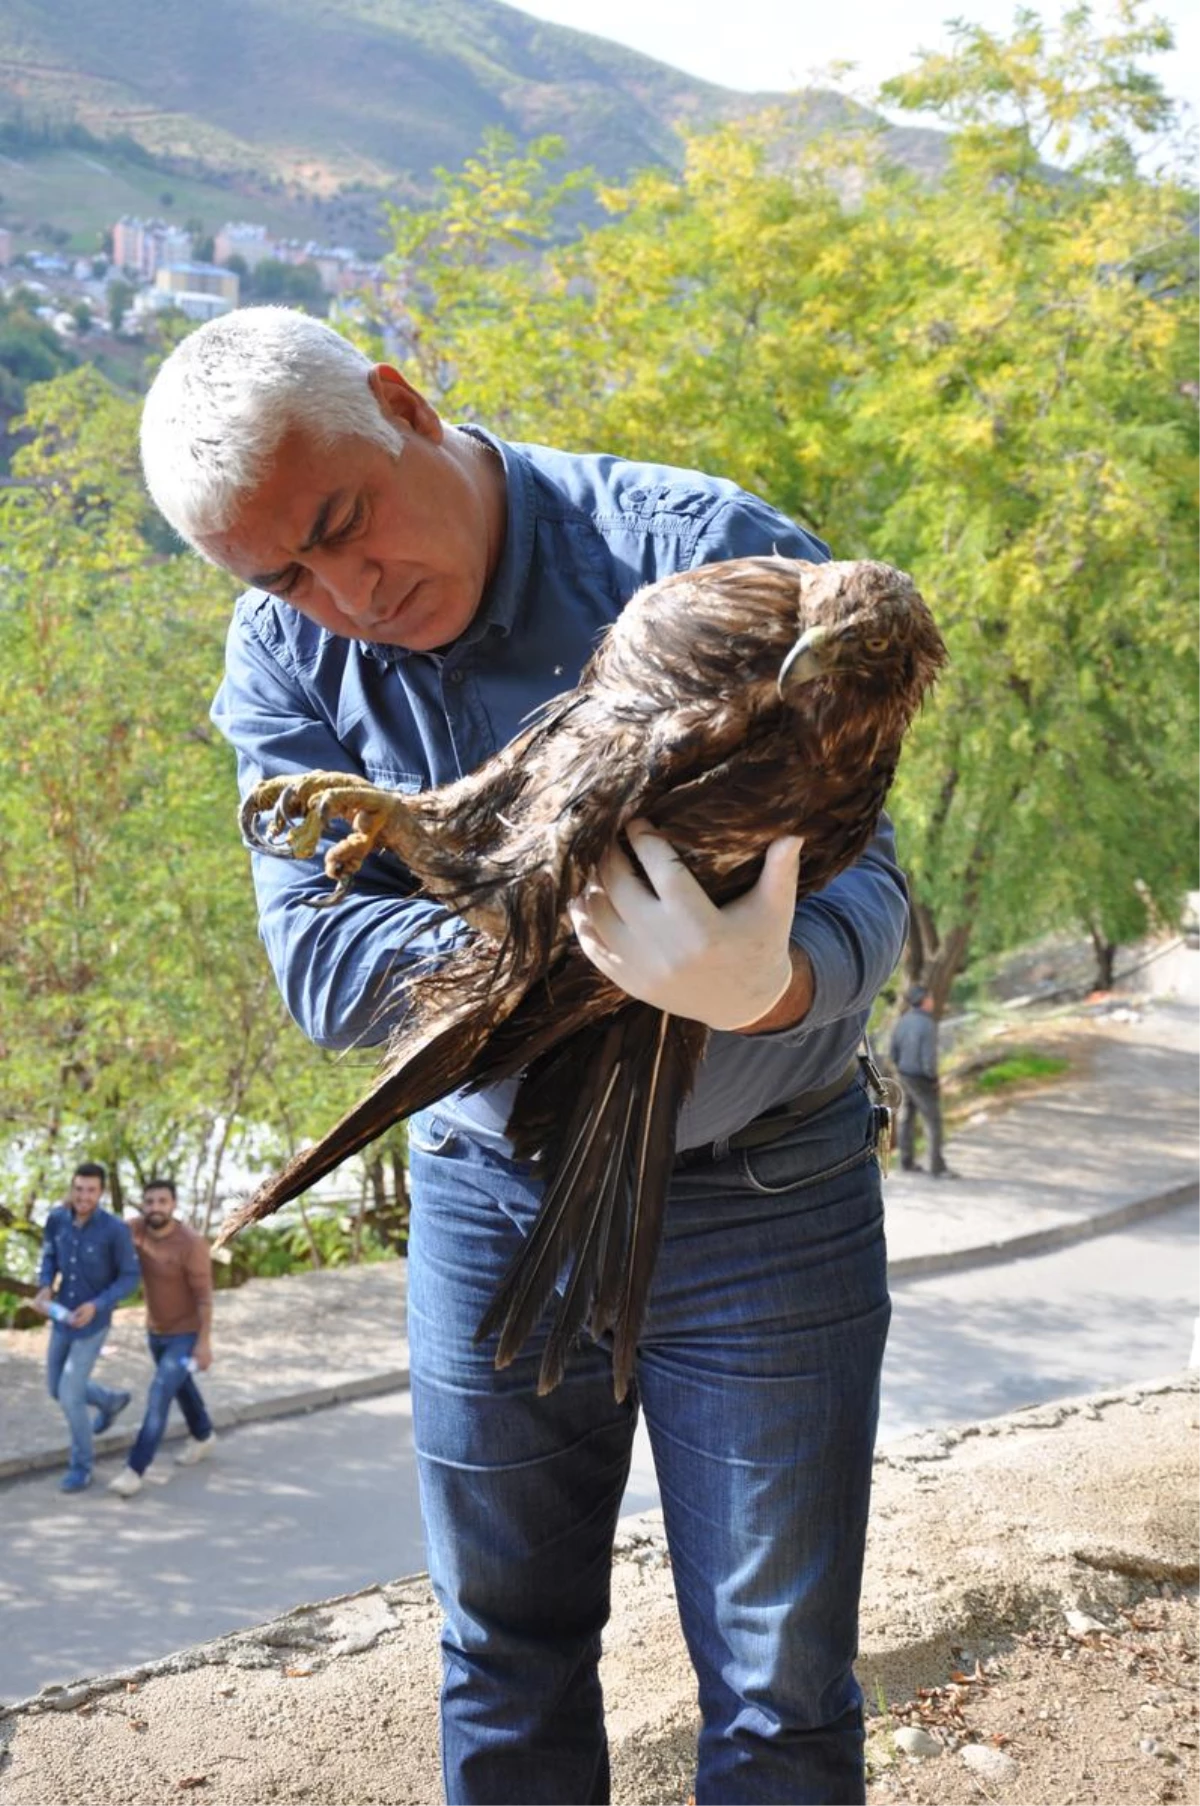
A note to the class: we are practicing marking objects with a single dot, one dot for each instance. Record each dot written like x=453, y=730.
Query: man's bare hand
x=202, y=1354
x=82, y=1315
x=41, y=1301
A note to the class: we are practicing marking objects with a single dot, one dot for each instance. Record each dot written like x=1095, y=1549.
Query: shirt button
x=455, y=677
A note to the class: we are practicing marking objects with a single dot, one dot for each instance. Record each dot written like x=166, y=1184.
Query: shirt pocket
x=390, y=776
x=95, y=1263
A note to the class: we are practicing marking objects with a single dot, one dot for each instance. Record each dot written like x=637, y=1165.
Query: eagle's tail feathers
x=670, y=1079
x=606, y=1191
x=441, y=1059
x=603, y=1217
x=561, y=1226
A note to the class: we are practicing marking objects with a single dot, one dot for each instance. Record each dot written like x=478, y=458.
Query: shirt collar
x=497, y=611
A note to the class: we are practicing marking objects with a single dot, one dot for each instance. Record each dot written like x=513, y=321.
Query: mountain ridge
x=325, y=94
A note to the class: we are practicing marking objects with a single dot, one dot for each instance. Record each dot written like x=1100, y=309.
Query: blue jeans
x=171, y=1381
x=758, y=1372
x=69, y=1363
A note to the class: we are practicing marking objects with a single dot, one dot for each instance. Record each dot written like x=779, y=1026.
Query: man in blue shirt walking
x=415, y=589
x=91, y=1254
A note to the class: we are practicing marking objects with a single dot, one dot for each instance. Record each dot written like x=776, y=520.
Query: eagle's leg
x=300, y=808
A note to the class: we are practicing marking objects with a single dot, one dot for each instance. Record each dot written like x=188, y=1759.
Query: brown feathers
x=728, y=706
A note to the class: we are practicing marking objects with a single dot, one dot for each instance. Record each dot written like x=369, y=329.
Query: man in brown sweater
x=177, y=1278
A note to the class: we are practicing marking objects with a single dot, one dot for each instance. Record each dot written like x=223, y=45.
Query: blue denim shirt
x=97, y=1261
x=583, y=534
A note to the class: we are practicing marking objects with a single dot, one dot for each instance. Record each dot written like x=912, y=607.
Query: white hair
x=226, y=396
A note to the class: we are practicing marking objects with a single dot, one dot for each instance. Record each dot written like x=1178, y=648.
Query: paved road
x=302, y=1508
x=1099, y=1315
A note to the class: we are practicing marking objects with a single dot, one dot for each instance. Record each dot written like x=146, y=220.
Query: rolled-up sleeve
x=853, y=932
x=337, y=969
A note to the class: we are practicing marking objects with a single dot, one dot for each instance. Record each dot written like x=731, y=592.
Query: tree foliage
x=140, y=1023
x=988, y=381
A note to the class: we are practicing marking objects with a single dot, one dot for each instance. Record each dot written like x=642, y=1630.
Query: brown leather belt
x=773, y=1122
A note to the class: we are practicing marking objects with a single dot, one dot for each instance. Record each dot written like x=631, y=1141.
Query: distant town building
x=199, y=290
x=341, y=270
x=239, y=238
x=144, y=246
x=196, y=305
x=199, y=279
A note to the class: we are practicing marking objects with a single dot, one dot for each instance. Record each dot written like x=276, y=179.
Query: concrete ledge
x=1041, y=1241
x=227, y=1417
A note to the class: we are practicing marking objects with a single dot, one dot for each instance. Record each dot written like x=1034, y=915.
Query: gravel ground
x=984, y=1540
x=1070, y=1715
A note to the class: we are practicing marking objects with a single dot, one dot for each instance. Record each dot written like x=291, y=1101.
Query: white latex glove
x=672, y=947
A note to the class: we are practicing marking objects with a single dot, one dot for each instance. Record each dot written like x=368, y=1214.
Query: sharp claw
x=340, y=890
x=260, y=839
x=285, y=814
x=248, y=821
x=263, y=840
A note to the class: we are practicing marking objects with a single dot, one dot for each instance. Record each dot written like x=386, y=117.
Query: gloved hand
x=672, y=947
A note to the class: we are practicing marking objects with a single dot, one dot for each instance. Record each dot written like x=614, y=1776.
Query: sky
x=778, y=44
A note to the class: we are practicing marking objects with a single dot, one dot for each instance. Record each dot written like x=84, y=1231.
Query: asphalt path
x=303, y=1508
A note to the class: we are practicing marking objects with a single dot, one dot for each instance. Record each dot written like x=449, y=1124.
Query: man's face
x=395, y=549
x=158, y=1206
x=86, y=1194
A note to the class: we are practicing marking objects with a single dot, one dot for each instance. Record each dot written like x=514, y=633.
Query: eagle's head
x=862, y=625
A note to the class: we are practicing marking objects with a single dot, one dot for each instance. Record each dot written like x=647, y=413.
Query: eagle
x=727, y=706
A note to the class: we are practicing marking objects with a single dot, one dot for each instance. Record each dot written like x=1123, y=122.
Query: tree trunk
x=24, y=1288
x=933, y=960
x=947, y=963
x=1106, y=954
x=400, y=1183
x=313, y=1250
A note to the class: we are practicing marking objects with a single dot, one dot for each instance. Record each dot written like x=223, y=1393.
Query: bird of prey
x=727, y=706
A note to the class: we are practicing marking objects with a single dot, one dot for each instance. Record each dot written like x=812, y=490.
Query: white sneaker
x=126, y=1483
x=193, y=1451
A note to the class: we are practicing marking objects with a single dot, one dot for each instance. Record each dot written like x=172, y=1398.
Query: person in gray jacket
x=915, y=1056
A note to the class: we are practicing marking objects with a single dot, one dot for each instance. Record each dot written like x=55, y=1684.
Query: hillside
x=314, y=96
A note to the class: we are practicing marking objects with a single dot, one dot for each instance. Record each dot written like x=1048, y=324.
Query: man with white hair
x=414, y=590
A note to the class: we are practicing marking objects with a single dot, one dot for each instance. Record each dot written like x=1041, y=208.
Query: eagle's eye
x=876, y=645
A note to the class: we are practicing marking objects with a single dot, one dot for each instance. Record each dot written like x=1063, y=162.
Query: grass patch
x=1019, y=1068
x=83, y=192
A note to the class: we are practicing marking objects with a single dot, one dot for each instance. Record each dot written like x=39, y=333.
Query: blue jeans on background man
x=172, y=1380
x=69, y=1363
x=758, y=1372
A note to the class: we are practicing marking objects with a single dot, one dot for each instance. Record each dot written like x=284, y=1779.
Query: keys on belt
x=886, y=1096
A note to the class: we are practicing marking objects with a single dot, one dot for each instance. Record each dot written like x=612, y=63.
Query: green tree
x=985, y=381
x=1031, y=393
x=293, y=284
x=141, y=1025
x=120, y=294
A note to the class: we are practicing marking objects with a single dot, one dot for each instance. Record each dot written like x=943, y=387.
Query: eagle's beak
x=807, y=660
